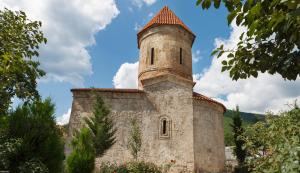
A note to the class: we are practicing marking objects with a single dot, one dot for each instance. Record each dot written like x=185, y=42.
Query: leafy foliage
x=109, y=168
x=247, y=118
x=101, y=127
x=32, y=139
x=19, y=41
x=274, y=145
x=82, y=158
x=132, y=167
x=135, y=139
x=143, y=167
x=8, y=149
x=33, y=166
x=29, y=140
x=272, y=40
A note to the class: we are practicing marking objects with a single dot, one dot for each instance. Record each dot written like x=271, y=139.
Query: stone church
x=179, y=127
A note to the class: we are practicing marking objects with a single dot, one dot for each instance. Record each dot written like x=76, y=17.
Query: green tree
x=238, y=130
x=272, y=40
x=102, y=127
x=8, y=149
x=33, y=166
x=274, y=145
x=135, y=139
x=19, y=41
x=32, y=140
x=82, y=158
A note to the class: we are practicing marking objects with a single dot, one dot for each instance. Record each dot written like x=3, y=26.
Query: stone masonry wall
x=174, y=101
x=208, y=138
x=162, y=99
x=123, y=107
x=166, y=41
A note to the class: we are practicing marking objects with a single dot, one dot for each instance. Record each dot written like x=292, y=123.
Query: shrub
x=34, y=138
x=135, y=139
x=8, y=149
x=143, y=167
x=273, y=145
x=33, y=166
x=113, y=168
x=131, y=167
x=82, y=158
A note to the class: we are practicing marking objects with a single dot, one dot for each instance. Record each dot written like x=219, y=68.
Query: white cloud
x=265, y=93
x=140, y=3
x=137, y=27
x=64, y=119
x=149, y=2
x=150, y=14
x=127, y=76
x=70, y=27
x=196, y=56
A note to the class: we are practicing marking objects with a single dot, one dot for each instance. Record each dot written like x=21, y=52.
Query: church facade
x=178, y=126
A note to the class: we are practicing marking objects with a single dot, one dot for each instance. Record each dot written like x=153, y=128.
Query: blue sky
x=91, y=42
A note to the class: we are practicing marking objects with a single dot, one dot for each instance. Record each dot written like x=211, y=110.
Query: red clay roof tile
x=198, y=96
x=164, y=17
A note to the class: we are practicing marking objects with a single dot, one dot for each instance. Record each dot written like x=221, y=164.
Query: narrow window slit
x=180, y=58
x=152, y=56
x=164, y=128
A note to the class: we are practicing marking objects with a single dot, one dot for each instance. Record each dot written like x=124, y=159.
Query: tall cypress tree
x=102, y=127
x=238, y=131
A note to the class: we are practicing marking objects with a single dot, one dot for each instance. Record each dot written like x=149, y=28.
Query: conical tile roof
x=164, y=17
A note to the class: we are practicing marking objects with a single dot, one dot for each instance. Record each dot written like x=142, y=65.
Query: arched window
x=152, y=56
x=180, y=57
x=164, y=128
